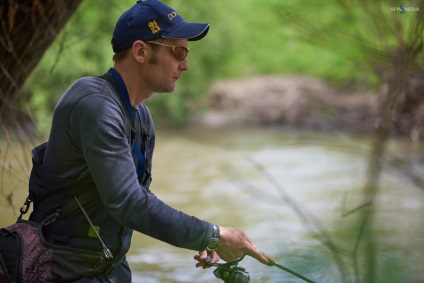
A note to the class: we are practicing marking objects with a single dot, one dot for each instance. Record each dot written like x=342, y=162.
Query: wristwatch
x=215, y=241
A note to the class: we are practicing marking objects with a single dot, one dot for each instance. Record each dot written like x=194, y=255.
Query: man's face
x=164, y=69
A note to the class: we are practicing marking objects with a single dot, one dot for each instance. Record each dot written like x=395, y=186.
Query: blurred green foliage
x=246, y=38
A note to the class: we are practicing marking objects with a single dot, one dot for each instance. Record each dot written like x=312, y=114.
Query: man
x=102, y=141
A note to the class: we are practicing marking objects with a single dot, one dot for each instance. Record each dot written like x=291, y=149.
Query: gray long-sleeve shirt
x=89, y=142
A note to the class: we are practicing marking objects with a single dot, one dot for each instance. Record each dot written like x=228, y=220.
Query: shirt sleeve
x=98, y=127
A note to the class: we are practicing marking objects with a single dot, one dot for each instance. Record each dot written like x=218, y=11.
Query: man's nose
x=184, y=65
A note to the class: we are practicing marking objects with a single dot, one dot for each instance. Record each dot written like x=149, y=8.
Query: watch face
x=213, y=244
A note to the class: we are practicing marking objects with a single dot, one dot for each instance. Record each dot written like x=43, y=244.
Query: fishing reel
x=231, y=273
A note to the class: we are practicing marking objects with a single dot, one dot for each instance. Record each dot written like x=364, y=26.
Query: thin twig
x=321, y=233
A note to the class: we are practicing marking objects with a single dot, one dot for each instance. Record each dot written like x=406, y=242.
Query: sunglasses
x=180, y=52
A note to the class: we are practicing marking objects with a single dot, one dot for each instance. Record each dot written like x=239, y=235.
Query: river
x=291, y=192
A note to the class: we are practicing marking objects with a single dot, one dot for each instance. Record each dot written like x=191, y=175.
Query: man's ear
x=139, y=51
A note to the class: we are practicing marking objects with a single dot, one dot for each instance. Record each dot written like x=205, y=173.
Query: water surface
x=289, y=192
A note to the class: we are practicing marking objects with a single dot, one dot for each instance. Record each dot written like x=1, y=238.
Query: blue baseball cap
x=151, y=19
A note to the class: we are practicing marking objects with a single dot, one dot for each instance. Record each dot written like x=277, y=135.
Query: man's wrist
x=215, y=240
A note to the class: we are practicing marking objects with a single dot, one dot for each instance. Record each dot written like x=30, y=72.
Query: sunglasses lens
x=180, y=52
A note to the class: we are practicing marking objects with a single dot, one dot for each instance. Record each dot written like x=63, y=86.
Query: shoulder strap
x=73, y=206
x=68, y=208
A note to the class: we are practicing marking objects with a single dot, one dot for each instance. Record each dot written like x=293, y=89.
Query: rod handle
x=271, y=259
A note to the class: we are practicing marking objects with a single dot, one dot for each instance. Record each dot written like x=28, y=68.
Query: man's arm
x=97, y=122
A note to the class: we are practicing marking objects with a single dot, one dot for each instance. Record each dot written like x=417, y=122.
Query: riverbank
x=308, y=104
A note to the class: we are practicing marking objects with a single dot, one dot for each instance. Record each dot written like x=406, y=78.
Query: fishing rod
x=231, y=273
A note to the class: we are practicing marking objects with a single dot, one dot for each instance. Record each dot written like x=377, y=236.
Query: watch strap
x=215, y=231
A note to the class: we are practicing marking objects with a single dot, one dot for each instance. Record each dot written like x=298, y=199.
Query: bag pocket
x=25, y=256
x=11, y=256
x=66, y=263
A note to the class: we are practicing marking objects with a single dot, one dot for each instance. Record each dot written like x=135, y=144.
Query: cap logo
x=153, y=25
x=172, y=15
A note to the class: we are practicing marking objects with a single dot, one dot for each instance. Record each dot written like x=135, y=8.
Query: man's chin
x=166, y=91
x=170, y=89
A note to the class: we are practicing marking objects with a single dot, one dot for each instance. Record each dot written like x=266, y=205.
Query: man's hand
x=235, y=243
x=201, y=258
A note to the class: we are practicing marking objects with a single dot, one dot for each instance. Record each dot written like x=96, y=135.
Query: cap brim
x=189, y=31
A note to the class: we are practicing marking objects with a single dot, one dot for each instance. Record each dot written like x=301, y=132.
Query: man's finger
x=263, y=258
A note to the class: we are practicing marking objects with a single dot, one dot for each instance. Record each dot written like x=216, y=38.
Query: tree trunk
x=27, y=28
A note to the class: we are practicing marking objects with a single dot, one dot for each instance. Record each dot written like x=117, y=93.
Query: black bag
x=11, y=247
x=25, y=256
